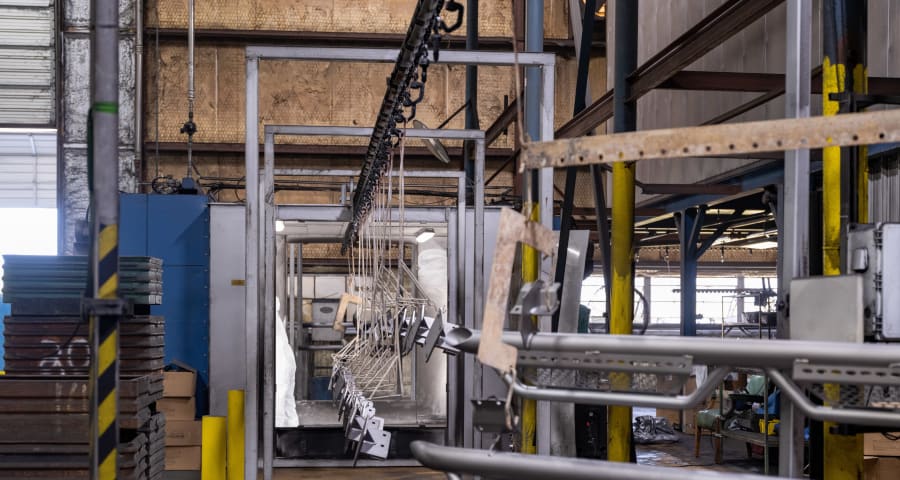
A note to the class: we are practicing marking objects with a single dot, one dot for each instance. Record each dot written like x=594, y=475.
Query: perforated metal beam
x=764, y=136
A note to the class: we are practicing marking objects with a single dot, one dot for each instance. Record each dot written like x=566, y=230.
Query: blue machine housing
x=175, y=228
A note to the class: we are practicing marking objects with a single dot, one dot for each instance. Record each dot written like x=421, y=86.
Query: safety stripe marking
x=109, y=239
x=107, y=469
x=107, y=412
x=109, y=287
x=107, y=354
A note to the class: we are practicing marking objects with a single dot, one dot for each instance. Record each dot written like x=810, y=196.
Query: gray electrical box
x=873, y=251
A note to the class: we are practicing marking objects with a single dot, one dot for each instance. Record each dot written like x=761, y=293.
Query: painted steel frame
x=257, y=224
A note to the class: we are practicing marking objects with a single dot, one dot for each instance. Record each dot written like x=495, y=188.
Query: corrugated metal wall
x=27, y=80
x=758, y=48
x=28, y=169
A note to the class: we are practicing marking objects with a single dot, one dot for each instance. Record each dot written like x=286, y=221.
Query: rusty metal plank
x=867, y=128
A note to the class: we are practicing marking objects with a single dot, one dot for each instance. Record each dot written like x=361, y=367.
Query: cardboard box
x=876, y=445
x=182, y=458
x=179, y=384
x=881, y=468
x=183, y=433
x=177, y=408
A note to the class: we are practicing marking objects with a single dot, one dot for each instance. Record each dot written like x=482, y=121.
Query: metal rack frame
x=256, y=197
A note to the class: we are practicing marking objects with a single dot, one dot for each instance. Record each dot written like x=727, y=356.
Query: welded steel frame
x=256, y=224
x=271, y=211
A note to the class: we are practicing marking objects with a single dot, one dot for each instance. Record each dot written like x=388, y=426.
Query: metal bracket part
x=534, y=299
x=435, y=332
x=489, y=415
x=107, y=307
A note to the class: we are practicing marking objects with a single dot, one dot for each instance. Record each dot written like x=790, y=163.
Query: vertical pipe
x=267, y=204
x=103, y=154
x=856, y=12
x=794, y=214
x=843, y=454
x=212, y=450
x=471, y=92
x=619, y=434
x=235, y=448
x=190, y=165
x=251, y=273
x=534, y=42
x=139, y=86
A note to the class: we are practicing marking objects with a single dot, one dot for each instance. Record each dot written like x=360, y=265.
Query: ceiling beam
x=712, y=31
x=560, y=46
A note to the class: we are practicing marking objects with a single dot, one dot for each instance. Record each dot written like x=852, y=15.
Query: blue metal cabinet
x=175, y=228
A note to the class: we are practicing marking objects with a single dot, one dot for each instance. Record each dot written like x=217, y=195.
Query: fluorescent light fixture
x=763, y=245
x=279, y=226
x=424, y=235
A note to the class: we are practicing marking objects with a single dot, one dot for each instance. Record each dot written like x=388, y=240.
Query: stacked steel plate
x=46, y=427
x=45, y=394
x=46, y=277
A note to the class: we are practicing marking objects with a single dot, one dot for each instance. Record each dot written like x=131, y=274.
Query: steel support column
x=793, y=215
x=843, y=454
x=689, y=222
x=619, y=434
x=103, y=154
x=534, y=42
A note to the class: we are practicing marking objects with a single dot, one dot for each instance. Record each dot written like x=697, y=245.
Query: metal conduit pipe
x=588, y=397
x=139, y=85
x=713, y=351
x=515, y=466
x=837, y=415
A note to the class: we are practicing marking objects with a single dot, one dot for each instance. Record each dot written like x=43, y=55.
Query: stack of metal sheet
x=46, y=431
x=30, y=277
x=58, y=345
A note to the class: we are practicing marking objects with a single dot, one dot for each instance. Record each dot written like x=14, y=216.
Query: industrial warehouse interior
x=495, y=239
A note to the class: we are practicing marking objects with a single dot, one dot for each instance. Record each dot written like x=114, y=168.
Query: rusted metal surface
x=764, y=136
x=513, y=228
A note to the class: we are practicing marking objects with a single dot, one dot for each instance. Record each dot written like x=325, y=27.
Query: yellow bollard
x=212, y=450
x=235, y=435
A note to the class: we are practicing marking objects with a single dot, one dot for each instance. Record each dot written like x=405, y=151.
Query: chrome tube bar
x=516, y=466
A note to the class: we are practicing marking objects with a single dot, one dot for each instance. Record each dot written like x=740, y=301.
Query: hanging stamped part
x=537, y=300
x=412, y=332
x=512, y=229
x=435, y=332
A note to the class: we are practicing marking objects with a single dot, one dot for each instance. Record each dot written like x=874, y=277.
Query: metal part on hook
x=534, y=299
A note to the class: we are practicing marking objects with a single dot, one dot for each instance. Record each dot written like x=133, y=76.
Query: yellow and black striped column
x=105, y=365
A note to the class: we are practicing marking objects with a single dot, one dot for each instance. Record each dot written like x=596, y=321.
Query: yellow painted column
x=235, y=447
x=531, y=264
x=621, y=301
x=843, y=454
x=212, y=449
